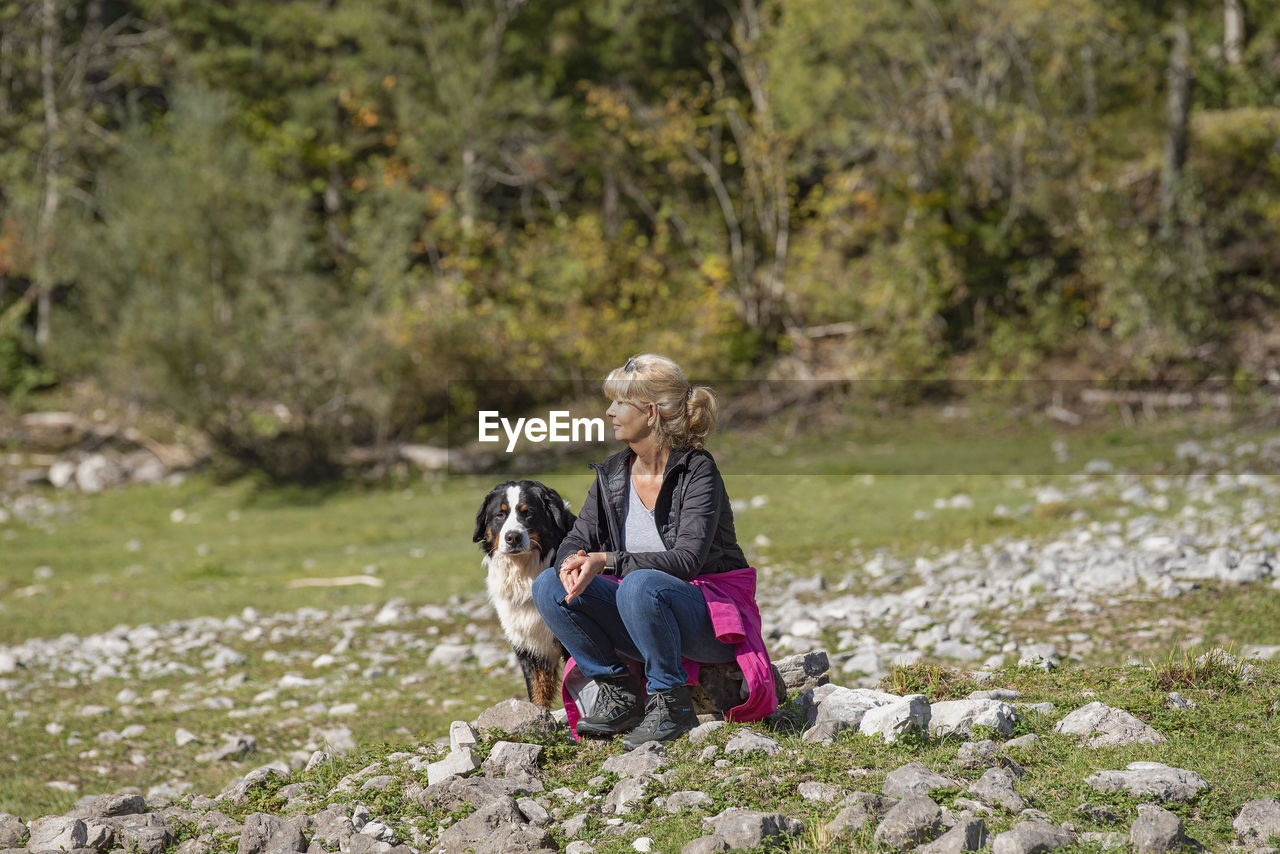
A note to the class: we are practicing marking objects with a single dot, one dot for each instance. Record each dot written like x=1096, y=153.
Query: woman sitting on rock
x=651, y=573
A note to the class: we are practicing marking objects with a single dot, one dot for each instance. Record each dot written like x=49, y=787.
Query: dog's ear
x=482, y=516
x=560, y=512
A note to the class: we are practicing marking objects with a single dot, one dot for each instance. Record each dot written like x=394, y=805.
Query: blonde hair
x=686, y=414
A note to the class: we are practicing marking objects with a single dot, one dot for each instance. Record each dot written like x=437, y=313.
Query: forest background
x=302, y=226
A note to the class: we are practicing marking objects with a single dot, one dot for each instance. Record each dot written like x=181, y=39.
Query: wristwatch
x=610, y=562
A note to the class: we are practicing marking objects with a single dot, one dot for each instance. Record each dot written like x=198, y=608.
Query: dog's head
x=521, y=516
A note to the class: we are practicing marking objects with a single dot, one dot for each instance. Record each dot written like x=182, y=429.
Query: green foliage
x=936, y=683
x=21, y=372
x=207, y=299
x=293, y=223
x=1191, y=667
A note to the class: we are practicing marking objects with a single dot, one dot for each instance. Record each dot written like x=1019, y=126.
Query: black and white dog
x=519, y=527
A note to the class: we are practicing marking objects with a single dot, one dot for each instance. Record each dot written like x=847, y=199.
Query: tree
x=1178, y=117
x=1233, y=31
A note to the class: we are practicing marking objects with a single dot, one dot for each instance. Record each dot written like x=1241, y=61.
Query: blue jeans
x=651, y=616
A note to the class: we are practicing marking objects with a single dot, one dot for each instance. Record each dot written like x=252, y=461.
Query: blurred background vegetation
x=291, y=223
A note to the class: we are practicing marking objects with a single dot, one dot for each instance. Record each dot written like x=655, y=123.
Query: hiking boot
x=669, y=715
x=617, y=708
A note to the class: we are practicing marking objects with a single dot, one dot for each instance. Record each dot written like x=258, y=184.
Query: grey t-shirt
x=641, y=532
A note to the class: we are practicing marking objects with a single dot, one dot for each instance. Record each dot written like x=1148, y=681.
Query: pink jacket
x=731, y=602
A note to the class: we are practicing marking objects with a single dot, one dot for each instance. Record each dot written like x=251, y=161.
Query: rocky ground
x=493, y=793
x=306, y=674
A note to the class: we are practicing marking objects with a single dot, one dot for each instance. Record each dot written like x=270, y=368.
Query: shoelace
x=656, y=707
x=612, y=697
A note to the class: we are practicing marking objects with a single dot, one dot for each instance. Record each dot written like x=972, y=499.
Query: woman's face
x=630, y=420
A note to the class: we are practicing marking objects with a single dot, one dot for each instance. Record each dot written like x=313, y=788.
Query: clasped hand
x=577, y=571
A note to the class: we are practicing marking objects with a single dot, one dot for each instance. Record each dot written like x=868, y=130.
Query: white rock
x=1162, y=782
x=951, y=717
x=460, y=761
x=1104, y=726
x=53, y=833
x=461, y=735
x=910, y=714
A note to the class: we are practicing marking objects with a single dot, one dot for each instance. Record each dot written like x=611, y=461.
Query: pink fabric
x=731, y=602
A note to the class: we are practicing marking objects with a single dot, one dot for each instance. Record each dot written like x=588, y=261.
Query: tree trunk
x=468, y=193
x=610, y=213
x=1179, y=111
x=1233, y=32
x=51, y=165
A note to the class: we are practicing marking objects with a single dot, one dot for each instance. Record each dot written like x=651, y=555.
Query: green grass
x=1230, y=739
x=121, y=558
x=833, y=494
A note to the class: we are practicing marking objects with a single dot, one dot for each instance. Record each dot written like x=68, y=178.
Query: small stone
x=533, y=811
x=858, y=810
x=269, y=833
x=1099, y=814
x=648, y=758
x=1030, y=741
x=710, y=844
x=461, y=735
x=1040, y=657
x=749, y=829
x=890, y=722
x=54, y=832
x=1104, y=726
x=748, y=741
x=237, y=791
x=1258, y=821
x=959, y=717
x=823, y=793
x=143, y=834
x=995, y=786
x=968, y=834
x=825, y=732
x=913, y=820
x=461, y=761
x=625, y=794
x=13, y=833
x=575, y=825
x=973, y=755
x=1151, y=778
x=700, y=733
x=1156, y=831
x=1106, y=840
x=1031, y=837
x=512, y=759
x=1007, y=695
x=914, y=779
x=497, y=827
x=688, y=800
x=804, y=672
x=516, y=718
x=107, y=806
x=380, y=783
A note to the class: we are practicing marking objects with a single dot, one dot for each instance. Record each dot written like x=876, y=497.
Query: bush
x=202, y=291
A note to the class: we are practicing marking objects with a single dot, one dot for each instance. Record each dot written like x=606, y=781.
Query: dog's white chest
x=509, y=579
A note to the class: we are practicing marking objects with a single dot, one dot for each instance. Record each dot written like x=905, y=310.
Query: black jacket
x=692, y=514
